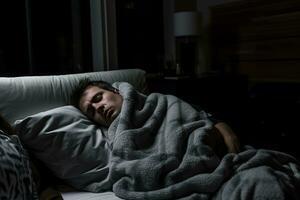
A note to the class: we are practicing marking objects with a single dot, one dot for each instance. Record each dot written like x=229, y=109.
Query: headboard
x=259, y=38
x=22, y=96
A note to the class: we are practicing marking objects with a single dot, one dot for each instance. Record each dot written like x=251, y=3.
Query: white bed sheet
x=89, y=196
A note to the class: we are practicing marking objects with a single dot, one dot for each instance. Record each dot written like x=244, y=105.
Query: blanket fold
x=158, y=151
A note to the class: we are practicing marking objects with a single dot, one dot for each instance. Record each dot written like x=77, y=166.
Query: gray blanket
x=159, y=152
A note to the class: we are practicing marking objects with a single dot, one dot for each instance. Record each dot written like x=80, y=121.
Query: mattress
x=74, y=195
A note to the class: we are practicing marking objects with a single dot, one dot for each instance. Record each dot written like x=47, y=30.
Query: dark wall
x=13, y=38
x=260, y=40
x=140, y=34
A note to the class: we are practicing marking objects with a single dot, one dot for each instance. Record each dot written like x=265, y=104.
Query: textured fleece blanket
x=159, y=152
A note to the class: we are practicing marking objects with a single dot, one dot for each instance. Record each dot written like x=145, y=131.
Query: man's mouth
x=108, y=113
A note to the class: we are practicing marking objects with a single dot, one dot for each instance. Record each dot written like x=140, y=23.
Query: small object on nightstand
x=176, y=77
x=178, y=69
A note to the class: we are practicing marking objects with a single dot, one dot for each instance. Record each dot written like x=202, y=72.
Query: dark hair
x=5, y=127
x=82, y=86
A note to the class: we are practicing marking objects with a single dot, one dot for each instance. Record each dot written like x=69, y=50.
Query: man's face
x=100, y=105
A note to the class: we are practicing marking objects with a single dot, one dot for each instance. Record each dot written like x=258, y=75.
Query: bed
x=76, y=195
x=159, y=147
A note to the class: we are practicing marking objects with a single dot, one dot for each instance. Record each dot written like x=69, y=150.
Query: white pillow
x=69, y=144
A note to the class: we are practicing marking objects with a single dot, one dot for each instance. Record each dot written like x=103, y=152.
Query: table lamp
x=186, y=32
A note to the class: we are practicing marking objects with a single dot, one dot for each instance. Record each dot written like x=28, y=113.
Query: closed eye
x=97, y=97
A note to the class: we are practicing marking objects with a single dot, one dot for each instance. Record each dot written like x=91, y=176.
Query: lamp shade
x=186, y=23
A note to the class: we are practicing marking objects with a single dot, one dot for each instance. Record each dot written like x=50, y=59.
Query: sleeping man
x=162, y=148
x=102, y=103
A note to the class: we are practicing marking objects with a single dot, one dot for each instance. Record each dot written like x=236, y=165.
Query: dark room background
x=249, y=69
x=56, y=37
x=44, y=37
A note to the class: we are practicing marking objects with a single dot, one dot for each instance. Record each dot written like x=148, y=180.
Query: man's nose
x=98, y=106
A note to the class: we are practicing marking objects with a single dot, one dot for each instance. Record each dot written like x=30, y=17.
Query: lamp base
x=186, y=55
